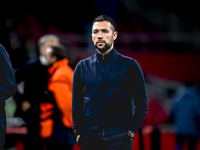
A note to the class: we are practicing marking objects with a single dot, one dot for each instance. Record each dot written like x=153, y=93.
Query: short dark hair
x=59, y=51
x=105, y=18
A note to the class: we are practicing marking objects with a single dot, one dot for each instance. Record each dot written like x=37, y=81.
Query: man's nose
x=99, y=36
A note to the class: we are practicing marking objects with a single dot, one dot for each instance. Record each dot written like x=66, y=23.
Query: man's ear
x=92, y=37
x=115, y=35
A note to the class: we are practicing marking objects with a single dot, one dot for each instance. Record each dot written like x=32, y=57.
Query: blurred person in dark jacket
x=185, y=115
x=35, y=77
x=7, y=89
x=57, y=124
x=109, y=97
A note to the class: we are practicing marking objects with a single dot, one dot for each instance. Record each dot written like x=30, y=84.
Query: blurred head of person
x=103, y=34
x=52, y=54
x=44, y=42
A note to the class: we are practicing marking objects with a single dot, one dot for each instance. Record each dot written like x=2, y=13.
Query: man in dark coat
x=109, y=98
x=7, y=89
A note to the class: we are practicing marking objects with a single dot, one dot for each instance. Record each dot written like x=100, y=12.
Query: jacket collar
x=105, y=59
x=58, y=64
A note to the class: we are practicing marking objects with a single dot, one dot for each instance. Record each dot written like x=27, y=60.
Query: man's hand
x=77, y=138
x=25, y=106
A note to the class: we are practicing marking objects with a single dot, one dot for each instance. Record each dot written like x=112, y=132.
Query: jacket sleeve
x=77, y=100
x=62, y=92
x=139, y=95
x=7, y=78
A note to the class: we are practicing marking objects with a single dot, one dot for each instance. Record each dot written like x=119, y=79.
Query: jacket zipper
x=103, y=121
x=103, y=57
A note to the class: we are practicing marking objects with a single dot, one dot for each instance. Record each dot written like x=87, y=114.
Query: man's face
x=47, y=44
x=103, y=36
x=46, y=57
x=45, y=52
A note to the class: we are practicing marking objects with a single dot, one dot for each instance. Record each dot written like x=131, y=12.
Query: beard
x=103, y=49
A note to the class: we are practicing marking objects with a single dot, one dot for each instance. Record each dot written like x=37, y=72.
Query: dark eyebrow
x=97, y=30
x=100, y=30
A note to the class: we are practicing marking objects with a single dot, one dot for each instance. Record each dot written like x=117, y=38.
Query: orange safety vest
x=60, y=84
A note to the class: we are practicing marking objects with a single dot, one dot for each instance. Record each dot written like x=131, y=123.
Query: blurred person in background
x=7, y=89
x=35, y=77
x=56, y=118
x=107, y=88
x=185, y=115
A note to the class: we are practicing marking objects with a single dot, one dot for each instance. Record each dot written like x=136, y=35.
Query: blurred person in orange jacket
x=35, y=77
x=56, y=116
